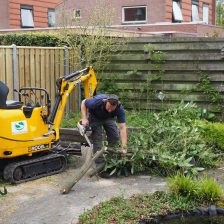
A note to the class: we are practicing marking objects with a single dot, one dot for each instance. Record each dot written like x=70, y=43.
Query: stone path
x=39, y=201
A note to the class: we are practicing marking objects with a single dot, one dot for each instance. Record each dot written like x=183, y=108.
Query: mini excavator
x=29, y=132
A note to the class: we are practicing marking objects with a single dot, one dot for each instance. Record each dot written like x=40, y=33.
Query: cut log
x=97, y=170
x=72, y=180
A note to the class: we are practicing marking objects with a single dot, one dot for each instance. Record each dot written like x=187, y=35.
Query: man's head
x=111, y=103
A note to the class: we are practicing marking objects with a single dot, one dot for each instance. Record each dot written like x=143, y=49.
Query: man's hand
x=85, y=122
x=123, y=152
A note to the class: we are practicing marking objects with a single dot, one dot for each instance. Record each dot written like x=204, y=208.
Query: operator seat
x=4, y=104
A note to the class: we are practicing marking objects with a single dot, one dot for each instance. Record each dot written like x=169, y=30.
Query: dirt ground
x=39, y=201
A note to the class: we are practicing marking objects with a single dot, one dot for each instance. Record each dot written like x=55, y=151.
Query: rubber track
x=9, y=169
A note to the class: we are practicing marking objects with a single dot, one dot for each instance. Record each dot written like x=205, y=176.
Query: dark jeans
x=111, y=129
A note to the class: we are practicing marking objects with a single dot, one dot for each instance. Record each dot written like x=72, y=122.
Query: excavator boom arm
x=87, y=77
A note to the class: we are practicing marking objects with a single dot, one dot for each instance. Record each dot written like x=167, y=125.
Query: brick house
x=27, y=13
x=189, y=17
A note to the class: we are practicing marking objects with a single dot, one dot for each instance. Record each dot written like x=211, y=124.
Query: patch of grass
x=185, y=194
x=182, y=185
x=204, y=189
x=214, y=133
x=209, y=190
x=70, y=120
x=120, y=210
x=2, y=182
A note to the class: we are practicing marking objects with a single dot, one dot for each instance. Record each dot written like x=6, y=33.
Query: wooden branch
x=96, y=170
x=71, y=181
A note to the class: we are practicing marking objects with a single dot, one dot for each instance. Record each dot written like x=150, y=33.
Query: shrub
x=214, y=134
x=32, y=39
x=209, y=190
x=182, y=185
x=170, y=141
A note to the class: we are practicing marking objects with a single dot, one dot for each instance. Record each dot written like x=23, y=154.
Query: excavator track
x=19, y=172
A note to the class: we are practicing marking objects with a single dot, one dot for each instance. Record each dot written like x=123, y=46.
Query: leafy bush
x=32, y=39
x=214, y=134
x=107, y=86
x=172, y=141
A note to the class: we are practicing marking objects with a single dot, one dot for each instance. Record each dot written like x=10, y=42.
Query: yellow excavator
x=29, y=132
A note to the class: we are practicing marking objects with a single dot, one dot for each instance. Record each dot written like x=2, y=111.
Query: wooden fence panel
x=9, y=70
x=21, y=67
x=186, y=60
x=2, y=64
x=36, y=67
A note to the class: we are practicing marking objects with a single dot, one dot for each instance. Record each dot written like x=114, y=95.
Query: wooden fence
x=35, y=67
x=186, y=59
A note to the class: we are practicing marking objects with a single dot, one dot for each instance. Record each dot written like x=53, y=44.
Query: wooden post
x=66, y=65
x=15, y=71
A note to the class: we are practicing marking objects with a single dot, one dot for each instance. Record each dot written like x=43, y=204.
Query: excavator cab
x=32, y=98
x=4, y=90
x=4, y=104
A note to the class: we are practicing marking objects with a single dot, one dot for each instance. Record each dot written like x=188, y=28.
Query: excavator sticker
x=19, y=127
x=38, y=147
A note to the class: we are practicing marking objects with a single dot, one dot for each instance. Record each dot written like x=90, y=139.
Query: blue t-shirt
x=96, y=107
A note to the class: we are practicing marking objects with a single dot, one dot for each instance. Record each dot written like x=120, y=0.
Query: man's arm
x=123, y=134
x=85, y=121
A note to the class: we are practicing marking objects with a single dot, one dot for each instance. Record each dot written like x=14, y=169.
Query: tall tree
x=219, y=13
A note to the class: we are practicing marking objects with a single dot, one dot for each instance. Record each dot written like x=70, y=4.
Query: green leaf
x=113, y=171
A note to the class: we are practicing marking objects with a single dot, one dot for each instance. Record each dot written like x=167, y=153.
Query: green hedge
x=32, y=39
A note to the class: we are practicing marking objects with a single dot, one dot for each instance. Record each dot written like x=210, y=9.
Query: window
x=136, y=14
x=206, y=13
x=26, y=16
x=177, y=14
x=195, y=14
x=76, y=13
x=51, y=17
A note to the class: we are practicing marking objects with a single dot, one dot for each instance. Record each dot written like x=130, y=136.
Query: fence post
x=66, y=66
x=15, y=71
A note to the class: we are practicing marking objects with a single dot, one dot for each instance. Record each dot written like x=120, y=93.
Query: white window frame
x=50, y=10
x=177, y=13
x=195, y=12
x=74, y=13
x=134, y=21
x=27, y=18
x=206, y=13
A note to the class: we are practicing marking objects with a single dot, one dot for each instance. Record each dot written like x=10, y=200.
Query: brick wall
x=40, y=12
x=186, y=10
x=179, y=29
x=157, y=10
x=4, y=22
